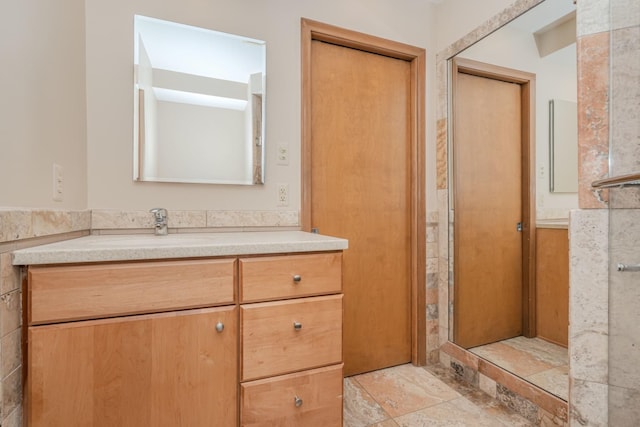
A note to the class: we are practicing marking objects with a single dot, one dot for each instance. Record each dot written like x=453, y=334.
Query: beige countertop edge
x=196, y=245
x=560, y=223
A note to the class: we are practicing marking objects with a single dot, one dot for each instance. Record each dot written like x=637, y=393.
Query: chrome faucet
x=160, y=215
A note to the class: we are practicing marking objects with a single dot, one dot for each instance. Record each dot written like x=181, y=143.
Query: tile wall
x=604, y=345
x=22, y=229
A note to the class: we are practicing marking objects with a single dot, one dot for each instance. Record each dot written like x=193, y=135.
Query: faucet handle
x=159, y=213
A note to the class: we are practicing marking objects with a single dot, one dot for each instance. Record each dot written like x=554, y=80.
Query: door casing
x=313, y=30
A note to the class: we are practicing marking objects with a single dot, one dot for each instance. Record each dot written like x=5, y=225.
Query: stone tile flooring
x=410, y=396
x=533, y=359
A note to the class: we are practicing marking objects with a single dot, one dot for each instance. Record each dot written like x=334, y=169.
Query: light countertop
x=132, y=247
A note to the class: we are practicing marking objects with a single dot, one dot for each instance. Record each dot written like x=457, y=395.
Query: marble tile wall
x=433, y=317
x=115, y=221
x=624, y=215
x=20, y=229
x=604, y=345
x=588, y=316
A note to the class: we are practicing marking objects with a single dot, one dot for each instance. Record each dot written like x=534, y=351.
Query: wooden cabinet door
x=169, y=369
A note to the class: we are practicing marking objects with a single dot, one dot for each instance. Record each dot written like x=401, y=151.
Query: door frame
x=527, y=83
x=313, y=30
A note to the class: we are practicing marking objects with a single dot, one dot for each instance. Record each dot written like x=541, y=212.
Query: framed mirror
x=199, y=98
x=537, y=45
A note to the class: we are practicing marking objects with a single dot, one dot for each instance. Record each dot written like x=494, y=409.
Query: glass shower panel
x=624, y=214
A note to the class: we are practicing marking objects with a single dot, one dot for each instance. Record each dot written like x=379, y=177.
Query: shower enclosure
x=624, y=213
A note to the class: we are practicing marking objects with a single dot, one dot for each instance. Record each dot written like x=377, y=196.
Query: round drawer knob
x=297, y=401
x=297, y=326
x=219, y=326
x=297, y=278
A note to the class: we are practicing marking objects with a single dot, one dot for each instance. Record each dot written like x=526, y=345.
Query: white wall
x=556, y=78
x=110, y=82
x=42, y=107
x=456, y=18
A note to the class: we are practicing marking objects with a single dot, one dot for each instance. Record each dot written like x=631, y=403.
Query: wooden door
x=491, y=208
x=171, y=369
x=362, y=173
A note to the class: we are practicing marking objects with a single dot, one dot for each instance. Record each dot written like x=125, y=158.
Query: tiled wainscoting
x=22, y=229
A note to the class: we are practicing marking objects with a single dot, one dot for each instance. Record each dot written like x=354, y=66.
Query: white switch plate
x=57, y=183
x=283, y=154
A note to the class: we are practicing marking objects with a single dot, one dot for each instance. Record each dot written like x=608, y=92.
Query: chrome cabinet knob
x=297, y=326
x=297, y=401
x=297, y=278
x=219, y=326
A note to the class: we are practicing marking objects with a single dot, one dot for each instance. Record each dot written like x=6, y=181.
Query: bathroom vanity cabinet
x=552, y=284
x=251, y=340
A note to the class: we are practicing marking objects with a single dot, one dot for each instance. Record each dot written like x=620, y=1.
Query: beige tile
x=109, y=219
x=47, y=222
x=187, y=219
x=513, y=360
x=589, y=403
x=405, y=388
x=9, y=275
x=624, y=409
x=592, y=16
x=546, y=419
x=458, y=412
x=14, y=419
x=11, y=391
x=11, y=345
x=10, y=312
x=360, y=409
x=589, y=295
x=496, y=409
x=15, y=225
x=487, y=385
x=441, y=154
x=386, y=423
x=593, y=118
x=517, y=403
x=555, y=381
x=540, y=349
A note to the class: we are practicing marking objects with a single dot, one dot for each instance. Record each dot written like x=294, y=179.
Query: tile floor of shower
x=410, y=396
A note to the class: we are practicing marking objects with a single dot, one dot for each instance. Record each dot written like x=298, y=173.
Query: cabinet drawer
x=272, y=278
x=308, y=398
x=104, y=290
x=273, y=345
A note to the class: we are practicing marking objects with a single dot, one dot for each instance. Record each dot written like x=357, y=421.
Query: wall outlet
x=57, y=183
x=283, y=154
x=283, y=194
